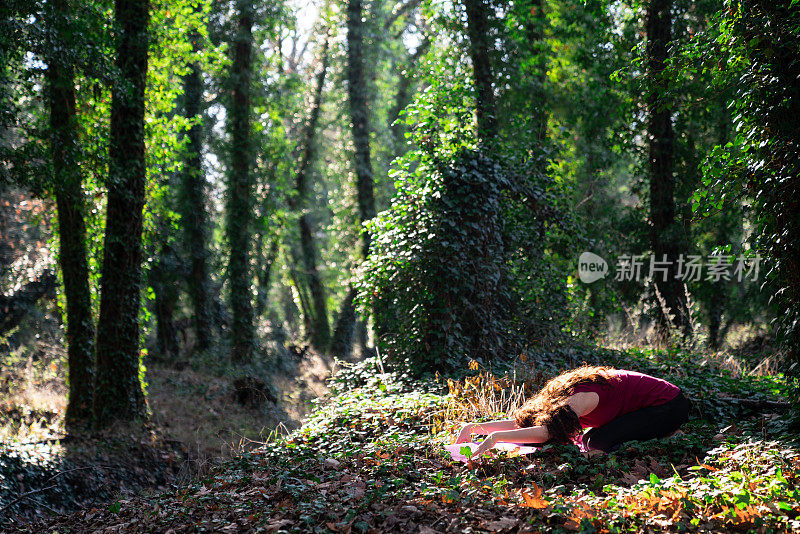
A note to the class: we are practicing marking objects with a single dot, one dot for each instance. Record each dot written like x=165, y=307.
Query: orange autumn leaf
x=534, y=501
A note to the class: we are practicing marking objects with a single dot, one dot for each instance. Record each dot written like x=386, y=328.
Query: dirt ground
x=196, y=420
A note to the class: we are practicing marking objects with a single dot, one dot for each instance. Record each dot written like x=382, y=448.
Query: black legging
x=648, y=423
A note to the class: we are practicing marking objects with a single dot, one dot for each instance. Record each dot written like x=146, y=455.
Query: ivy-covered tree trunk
x=478, y=19
x=71, y=225
x=239, y=186
x=319, y=325
x=118, y=390
x=193, y=208
x=665, y=233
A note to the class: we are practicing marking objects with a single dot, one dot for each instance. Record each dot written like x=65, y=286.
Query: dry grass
x=486, y=396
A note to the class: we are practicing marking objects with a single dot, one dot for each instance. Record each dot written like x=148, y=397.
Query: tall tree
x=359, y=116
x=358, y=91
x=118, y=390
x=240, y=185
x=193, y=203
x=319, y=325
x=70, y=205
x=665, y=233
x=478, y=25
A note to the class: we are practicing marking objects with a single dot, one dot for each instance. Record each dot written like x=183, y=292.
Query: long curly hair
x=549, y=407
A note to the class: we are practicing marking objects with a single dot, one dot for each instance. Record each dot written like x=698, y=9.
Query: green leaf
x=466, y=451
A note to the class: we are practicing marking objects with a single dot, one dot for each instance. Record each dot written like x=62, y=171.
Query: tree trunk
x=71, y=225
x=265, y=277
x=718, y=303
x=193, y=207
x=664, y=233
x=118, y=390
x=319, y=326
x=165, y=281
x=301, y=293
x=534, y=32
x=239, y=195
x=344, y=328
x=478, y=17
x=359, y=116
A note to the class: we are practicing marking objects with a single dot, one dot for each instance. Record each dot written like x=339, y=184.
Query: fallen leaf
x=274, y=525
x=534, y=501
x=501, y=524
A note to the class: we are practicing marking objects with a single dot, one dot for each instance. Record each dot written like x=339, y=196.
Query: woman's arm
x=484, y=428
x=533, y=434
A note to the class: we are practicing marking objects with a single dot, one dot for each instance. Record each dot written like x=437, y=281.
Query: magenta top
x=631, y=392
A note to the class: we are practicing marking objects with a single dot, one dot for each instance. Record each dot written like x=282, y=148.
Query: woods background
x=230, y=187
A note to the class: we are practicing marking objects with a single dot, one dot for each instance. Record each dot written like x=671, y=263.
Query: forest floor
x=196, y=422
x=370, y=458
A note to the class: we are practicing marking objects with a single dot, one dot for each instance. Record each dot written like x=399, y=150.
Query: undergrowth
x=370, y=459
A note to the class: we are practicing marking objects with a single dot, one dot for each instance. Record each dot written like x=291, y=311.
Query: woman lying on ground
x=619, y=406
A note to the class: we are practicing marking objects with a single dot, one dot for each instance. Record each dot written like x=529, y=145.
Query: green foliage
x=754, y=46
x=434, y=277
x=457, y=267
x=367, y=459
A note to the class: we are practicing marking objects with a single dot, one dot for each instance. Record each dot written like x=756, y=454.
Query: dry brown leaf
x=501, y=524
x=274, y=525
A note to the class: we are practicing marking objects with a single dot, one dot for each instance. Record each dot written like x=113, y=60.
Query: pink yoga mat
x=513, y=449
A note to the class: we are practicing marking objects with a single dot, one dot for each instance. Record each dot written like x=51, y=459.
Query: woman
x=617, y=405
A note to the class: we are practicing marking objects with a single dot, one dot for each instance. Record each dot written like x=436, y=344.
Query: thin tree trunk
x=118, y=390
x=164, y=278
x=719, y=301
x=193, y=207
x=478, y=17
x=534, y=32
x=302, y=297
x=72, y=228
x=239, y=194
x=344, y=328
x=320, y=327
x=665, y=233
x=265, y=277
x=359, y=115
